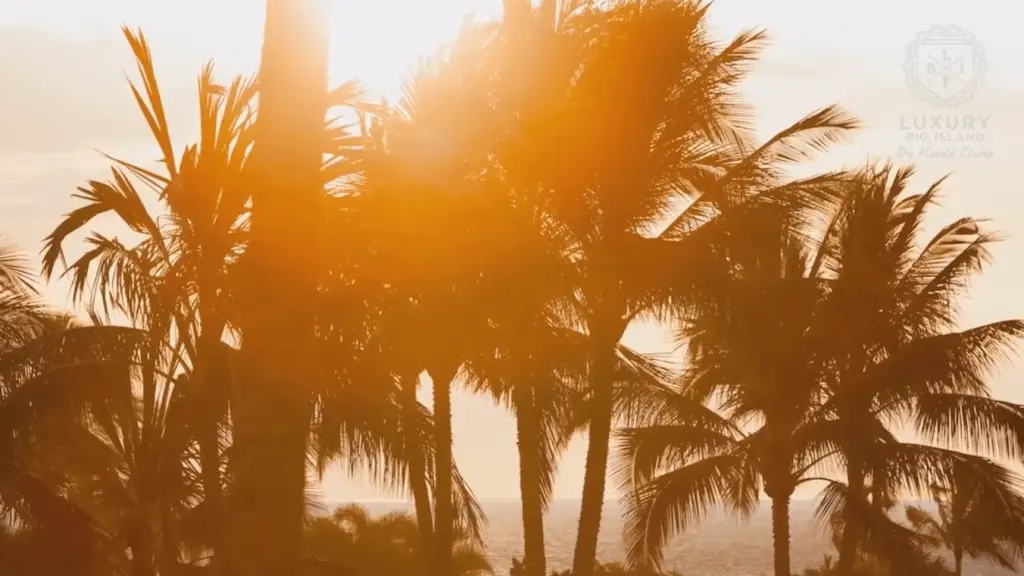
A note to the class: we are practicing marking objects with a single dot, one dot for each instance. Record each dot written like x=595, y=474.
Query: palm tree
x=538, y=368
x=538, y=390
x=915, y=369
x=609, y=179
x=432, y=238
x=60, y=392
x=393, y=335
x=133, y=470
x=749, y=355
x=49, y=369
x=176, y=280
x=271, y=411
x=531, y=356
x=180, y=281
x=898, y=357
x=369, y=422
x=520, y=348
x=972, y=526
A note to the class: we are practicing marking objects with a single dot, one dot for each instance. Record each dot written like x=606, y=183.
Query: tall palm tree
x=538, y=391
x=898, y=356
x=393, y=335
x=971, y=526
x=369, y=423
x=176, y=280
x=532, y=357
x=272, y=407
x=749, y=355
x=539, y=370
x=610, y=179
x=431, y=235
x=911, y=366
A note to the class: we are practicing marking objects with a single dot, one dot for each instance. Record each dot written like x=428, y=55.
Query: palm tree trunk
x=208, y=439
x=417, y=469
x=780, y=534
x=851, y=517
x=529, y=442
x=271, y=406
x=958, y=561
x=141, y=543
x=602, y=382
x=444, y=513
x=267, y=499
x=209, y=460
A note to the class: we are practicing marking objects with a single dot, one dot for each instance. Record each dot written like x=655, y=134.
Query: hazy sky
x=63, y=95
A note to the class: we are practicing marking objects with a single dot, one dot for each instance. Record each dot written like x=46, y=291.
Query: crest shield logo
x=945, y=65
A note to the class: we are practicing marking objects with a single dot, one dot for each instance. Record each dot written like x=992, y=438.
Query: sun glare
x=380, y=41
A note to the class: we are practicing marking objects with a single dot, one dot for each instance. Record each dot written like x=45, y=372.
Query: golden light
x=379, y=41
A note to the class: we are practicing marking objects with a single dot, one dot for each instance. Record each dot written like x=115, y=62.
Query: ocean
x=721, y=546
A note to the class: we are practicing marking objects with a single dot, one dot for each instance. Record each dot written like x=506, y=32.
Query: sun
x=380, y=41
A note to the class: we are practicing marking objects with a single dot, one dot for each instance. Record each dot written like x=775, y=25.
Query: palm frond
x=672, y=502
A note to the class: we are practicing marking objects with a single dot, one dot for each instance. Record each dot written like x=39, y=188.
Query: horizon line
x=506, y=499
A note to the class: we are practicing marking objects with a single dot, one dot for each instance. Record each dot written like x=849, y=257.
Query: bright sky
x=62, y=95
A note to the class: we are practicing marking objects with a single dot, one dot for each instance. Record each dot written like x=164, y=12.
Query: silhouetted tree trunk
x=530, y=445
x=852, y=517
x=417, y=469
x=958, y=560
x=208, y=391
x=779, y=483
x=602, y=380
x=444, y=515
x=208, y=439
x=780, y=534
x=140, y=541
x=271, y=404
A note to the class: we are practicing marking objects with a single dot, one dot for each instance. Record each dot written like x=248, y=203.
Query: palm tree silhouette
x=272, y=407
x=176, y=282
x=64, y=387
x=38, y=404
x=369, y=422
x=434, y=238
x=898, y=354
x=131, y=467
x=785, y=364
x=749, y=356
x=970, y=525
x=531, y=358
x=625, y=159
